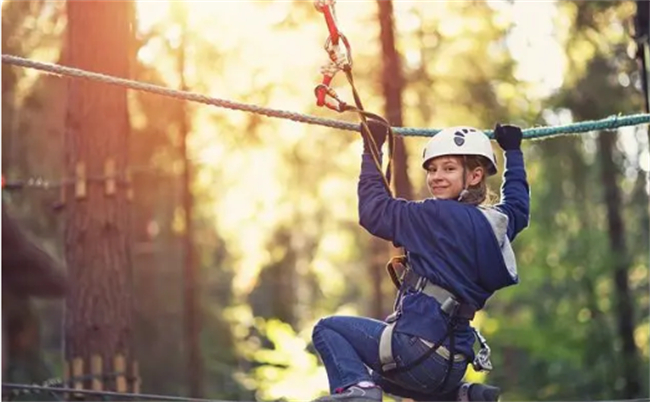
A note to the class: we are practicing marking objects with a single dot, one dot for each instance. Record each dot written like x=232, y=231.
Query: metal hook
x=322, y=91
x=342, y=58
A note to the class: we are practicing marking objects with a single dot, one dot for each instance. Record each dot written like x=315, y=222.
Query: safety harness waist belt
x=448, y=304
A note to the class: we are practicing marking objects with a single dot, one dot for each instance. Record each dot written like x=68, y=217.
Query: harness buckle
x=450, y=306
x=389, y=367
x=396, y=269
x=394, y=316
x=412, y=281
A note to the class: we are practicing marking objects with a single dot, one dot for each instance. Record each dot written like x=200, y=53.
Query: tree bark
x=191, y=289
x=99, y=309
x=623, y=297
x=392, y=87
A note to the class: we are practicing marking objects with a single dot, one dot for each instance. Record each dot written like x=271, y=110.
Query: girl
x=458, y=254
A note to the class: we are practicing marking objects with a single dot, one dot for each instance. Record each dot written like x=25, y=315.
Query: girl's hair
x=479, y=193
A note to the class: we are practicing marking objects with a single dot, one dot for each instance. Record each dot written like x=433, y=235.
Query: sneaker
x=354, y=394
x=478, y=392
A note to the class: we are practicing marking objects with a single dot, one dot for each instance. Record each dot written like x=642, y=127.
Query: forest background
x=274, y=221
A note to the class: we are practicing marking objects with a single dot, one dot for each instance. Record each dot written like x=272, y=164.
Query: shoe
x=478, y=392
x=354, y=394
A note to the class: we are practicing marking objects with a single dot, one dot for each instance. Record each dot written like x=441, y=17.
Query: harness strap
x=448, y=301
x=388, y=361
x=386, y=348
x=448, y=305
x=444, y=352
x=450, y=362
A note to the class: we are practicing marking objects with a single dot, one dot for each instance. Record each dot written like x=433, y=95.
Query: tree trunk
x=99, y=309
x=642, y=28
x=623, y=304
x=392, y=88
x=191, y=290
x=378, y=252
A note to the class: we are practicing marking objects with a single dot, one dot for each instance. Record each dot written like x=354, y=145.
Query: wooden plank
x=109, y=176
x=120, y=369
x=80, y=189
x=97, y=371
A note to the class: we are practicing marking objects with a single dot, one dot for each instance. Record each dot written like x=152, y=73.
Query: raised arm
x=515, y=192
x=380, y=214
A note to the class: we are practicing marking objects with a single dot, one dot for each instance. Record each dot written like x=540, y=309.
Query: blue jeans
x=349, y=349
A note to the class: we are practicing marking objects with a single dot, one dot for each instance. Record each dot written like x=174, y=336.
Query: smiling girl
x=458, y=254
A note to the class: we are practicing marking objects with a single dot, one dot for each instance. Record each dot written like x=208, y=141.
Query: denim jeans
x=349, y=349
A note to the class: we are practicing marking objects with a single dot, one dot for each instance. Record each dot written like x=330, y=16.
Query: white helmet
x=460, y=141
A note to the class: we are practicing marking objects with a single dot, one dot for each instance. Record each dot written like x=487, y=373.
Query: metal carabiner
x=341, y=57
x=482, y=359
x=321, y=5
x=327, y=8
x=339, y=60
x=323, y=90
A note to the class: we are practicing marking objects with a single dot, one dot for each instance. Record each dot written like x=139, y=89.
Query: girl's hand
x=508, y=137
x=379, y=131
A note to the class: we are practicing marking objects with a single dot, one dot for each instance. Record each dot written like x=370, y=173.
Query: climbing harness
x=340, y=59
x=408, y=282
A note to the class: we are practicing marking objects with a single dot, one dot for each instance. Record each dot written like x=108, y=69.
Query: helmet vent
x=459, y=137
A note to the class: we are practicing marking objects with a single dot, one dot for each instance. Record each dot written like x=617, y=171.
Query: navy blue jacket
x=450, y=243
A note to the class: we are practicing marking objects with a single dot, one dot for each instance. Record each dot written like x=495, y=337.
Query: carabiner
x=327, y=8
x=341, y=57
x=482, y=359
x=323, y=90
x=322, y=4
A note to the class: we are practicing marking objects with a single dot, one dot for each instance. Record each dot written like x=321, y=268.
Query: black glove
x=378, y=131
x=508, y=137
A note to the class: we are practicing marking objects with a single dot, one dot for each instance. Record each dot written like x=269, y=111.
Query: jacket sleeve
x=382, y=215
x=515, y=193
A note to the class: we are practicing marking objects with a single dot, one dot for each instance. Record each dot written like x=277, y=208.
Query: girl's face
x=445, y=177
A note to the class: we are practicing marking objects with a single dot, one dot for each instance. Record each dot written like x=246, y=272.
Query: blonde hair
x=480, y=193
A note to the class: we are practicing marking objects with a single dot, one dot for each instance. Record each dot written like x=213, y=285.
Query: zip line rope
x=607, y=123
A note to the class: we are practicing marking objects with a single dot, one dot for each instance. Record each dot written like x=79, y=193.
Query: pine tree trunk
x=623, y=298
x=99, y=309
x=392, y=88
x=191, y=289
